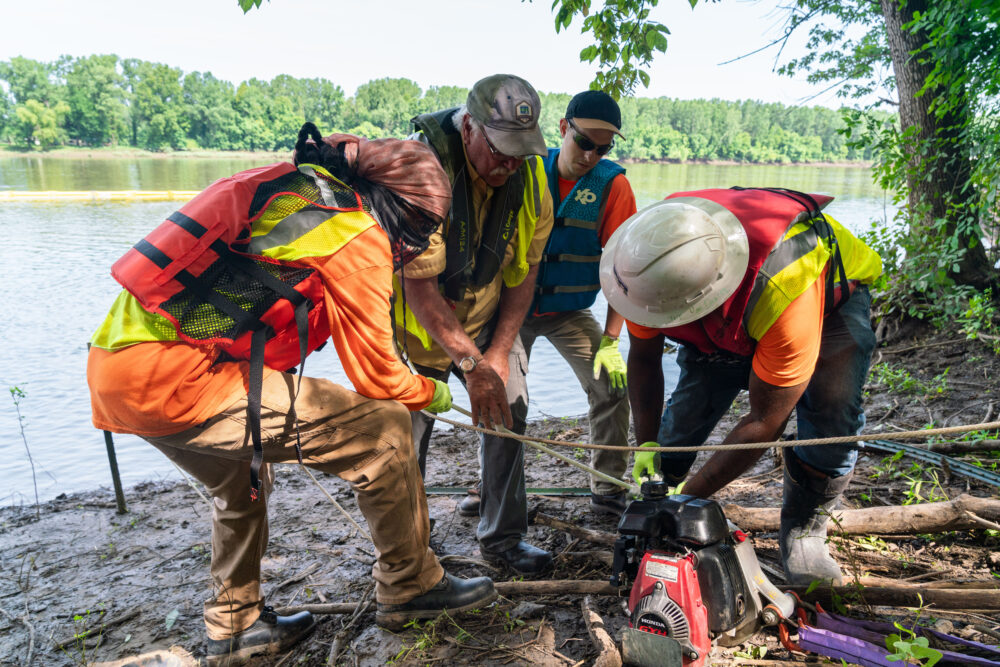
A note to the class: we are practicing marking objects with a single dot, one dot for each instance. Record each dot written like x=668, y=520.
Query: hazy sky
x=434, y=42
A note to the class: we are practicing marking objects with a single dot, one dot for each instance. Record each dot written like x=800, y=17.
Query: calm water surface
x=54, y=266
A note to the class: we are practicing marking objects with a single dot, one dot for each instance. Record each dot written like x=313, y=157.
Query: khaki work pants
x=576, y=335
x=364, y=441
x=503, y=510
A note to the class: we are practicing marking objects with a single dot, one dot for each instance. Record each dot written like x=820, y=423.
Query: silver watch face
x=467, y=364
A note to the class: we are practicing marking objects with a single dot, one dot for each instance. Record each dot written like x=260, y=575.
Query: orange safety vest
x=766, y=215
x=215, y=270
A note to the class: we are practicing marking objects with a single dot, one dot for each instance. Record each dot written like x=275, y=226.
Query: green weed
x=898, y=380
x=430, y=634
x=910, y=649
x=921, y=489
x=82, y=634
x=978, y=322
x=17, y=395
x=753, y=652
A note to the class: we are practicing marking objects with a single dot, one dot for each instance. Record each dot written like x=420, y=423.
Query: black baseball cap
x=595, y=110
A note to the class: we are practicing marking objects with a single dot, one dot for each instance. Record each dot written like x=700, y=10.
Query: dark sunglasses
x=497, y=155
x=586, y=144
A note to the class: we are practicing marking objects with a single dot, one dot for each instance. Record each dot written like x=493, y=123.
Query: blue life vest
x=569, y=275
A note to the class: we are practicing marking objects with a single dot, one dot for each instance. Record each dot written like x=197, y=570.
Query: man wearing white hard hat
x=764, y=292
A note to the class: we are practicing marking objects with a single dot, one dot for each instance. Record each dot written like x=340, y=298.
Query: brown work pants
x=364, y=441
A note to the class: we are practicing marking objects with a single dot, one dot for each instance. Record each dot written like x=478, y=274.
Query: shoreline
x=72, y=152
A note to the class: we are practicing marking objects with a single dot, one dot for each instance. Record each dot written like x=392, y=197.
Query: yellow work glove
x=647, y=464
x=610, y=359
x=442, y=398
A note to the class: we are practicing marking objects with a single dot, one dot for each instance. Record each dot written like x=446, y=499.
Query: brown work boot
x=268, y=635
x=451, y=594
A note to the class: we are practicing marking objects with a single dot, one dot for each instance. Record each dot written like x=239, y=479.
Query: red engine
x=666, y=601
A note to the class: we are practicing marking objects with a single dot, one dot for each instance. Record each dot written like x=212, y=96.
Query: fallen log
x=950, y=584
x=965, y=447
x=595, y=536
x=608, y=655
x=958, y=514
x=906, y=596
x=892, y=596
x=556, y=587
x=507, y=588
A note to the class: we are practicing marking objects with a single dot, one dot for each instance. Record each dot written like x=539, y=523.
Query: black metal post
x=115, y=477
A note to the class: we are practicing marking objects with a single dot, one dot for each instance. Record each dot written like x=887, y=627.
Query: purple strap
x=863, y=642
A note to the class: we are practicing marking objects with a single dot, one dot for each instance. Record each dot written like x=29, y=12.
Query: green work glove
x=609, y=358
x=442, y=398
x=647, y=464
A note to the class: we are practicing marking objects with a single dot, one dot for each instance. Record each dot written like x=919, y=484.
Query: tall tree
x=31, y=80
x=208, y=103
x=939, y=65
x=37, y=106
x=388, y=104
x=317, y=100
x=38, y=124
x=6, y=111
x=158, y=107
x=96, y=100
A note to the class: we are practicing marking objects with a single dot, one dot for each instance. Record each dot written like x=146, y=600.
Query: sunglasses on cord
x=586, y=144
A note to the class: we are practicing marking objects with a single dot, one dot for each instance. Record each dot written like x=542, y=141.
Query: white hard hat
x=674, y=262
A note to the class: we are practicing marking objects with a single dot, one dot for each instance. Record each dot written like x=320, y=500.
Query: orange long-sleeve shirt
x=158, y=388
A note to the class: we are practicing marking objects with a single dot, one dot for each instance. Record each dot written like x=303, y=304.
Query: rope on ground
x=503, y=432
x=190, y=482
x=903, y=435
x=337, y=505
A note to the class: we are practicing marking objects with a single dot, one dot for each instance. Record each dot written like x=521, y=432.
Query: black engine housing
x=682, y=524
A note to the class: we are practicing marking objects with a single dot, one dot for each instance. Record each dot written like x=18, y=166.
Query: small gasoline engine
x=695, y=579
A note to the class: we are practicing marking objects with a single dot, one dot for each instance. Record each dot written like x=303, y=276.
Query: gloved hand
x=647, y=464
x=442, y=398
x=609, y=358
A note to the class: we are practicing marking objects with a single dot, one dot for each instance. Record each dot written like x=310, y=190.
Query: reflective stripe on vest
x=789, y=251
x=569, y=276
x=222, y=273
x=292, y=222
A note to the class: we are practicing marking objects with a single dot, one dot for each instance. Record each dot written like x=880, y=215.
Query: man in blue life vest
x=765, y=292
x=460, y=304
x=592, y=198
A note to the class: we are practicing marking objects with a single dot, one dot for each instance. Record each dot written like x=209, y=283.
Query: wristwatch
x=468, y=364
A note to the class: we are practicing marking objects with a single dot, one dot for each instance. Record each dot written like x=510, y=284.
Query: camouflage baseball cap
x=508, y=109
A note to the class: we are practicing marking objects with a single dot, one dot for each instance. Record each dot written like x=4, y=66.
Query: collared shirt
x=480, y=304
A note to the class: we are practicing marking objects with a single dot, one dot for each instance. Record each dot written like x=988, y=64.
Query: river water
x=54, y=268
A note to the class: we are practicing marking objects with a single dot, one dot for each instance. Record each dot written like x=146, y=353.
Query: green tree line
x=104, y=100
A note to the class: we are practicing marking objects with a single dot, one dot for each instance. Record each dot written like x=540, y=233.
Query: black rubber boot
x=805, y=510
x=469, y=505
x=269, y=634
x=451, y=594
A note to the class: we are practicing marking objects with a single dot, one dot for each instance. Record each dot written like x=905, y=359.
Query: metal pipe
x=115, y=477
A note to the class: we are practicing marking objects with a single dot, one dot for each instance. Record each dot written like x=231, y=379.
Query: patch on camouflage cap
x=523, y=112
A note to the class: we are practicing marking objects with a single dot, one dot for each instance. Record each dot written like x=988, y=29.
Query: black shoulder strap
x=825, y=231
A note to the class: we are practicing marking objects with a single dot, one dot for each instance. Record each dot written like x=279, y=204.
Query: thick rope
x=336, y=504
x=576, y=464
x=903, y=435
